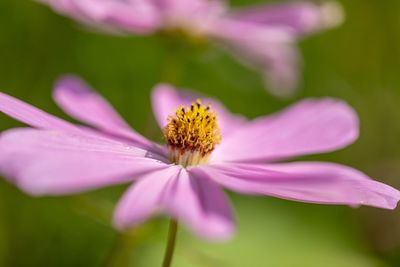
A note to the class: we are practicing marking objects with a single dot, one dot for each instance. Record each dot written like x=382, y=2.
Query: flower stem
x=169, y=251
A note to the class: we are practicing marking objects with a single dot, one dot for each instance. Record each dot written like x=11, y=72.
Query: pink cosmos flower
x=261, y=37
x=208, y=148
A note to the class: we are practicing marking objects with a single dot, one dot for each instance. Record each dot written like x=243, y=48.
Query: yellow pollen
x=192, y=134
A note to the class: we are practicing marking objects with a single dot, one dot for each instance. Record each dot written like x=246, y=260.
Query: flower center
x=192, y=134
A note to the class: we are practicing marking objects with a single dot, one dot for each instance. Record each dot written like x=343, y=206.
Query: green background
x=358, y=62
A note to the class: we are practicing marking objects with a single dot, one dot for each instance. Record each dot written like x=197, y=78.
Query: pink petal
x=201, y=205
x=194, y=16
x=32, y=116
x=78, y=100
x=299, y=17
x=194, y=200
x=281, y=65
x=166, y=100
x=191, y=7
x=314, y=182
x=37, y=118
x=133, y=16
x=269, y=50
x=144, y=198
x=55, y=163
x=308, y=127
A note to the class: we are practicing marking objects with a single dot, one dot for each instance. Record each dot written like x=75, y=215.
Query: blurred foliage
x=358, y=62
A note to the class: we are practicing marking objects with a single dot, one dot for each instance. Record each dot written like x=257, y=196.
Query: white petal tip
x=217, y=233
x=119, y=227
x=332, y=14
x=282, y=87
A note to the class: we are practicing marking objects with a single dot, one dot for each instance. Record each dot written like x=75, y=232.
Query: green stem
x=169, y=251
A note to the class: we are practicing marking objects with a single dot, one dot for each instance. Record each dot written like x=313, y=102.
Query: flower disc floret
x=192, y=134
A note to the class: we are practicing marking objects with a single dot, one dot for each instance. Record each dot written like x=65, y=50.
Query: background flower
x=262, y=37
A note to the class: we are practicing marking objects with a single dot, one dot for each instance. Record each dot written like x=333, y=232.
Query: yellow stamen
x=192, y=134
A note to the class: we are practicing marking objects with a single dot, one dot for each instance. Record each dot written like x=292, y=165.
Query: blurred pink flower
x=55, y=157
x=261, y=37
